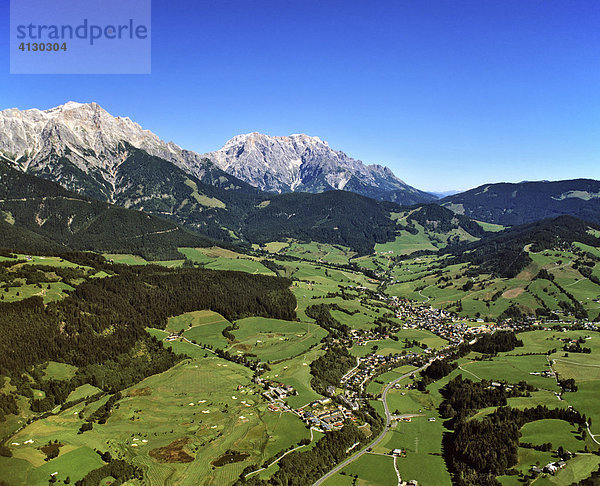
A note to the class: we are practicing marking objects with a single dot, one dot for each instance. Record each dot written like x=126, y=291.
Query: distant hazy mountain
x=444, y=194
x=525, y=202
x=299, y=163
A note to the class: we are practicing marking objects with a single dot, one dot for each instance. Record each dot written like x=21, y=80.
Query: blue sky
x=450, y=94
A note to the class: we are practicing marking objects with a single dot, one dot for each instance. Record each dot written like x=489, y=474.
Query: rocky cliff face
x=82, y=147
x=302, y=163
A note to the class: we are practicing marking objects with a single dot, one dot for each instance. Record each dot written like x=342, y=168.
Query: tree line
x=100, y=326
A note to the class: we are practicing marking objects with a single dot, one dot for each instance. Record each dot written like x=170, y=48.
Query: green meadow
x=270, y=340
x=209, y=403
x=376, y=385
x=222, y=259
x=129, y=259
x=313, y=251
x=203, y=327
x=372, y=469
x=389, y=346
x=296, y=372
x=513, y=369
x=274, y=339
x=59, y=371
x=419, y=279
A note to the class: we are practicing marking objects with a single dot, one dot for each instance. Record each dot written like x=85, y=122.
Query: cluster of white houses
x=550, y=468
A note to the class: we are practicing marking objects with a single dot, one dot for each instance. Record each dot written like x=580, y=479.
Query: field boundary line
x=397, y=472
x=282, y=456
x=470, y=372
x=577, y=364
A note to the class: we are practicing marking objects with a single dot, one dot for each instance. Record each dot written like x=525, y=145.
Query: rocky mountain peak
x=83, y=135
x=75, y=138
x=300, y=162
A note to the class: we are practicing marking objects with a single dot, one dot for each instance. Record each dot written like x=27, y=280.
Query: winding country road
x=428, y=298
x=386, y=429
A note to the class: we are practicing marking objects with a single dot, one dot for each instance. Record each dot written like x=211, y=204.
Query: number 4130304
x=42, y=46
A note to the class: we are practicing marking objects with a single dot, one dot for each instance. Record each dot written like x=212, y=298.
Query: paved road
x=347, y=374
x=591, y=435
x=386, y=429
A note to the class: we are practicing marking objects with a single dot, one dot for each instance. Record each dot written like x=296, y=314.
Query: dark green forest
x=100, y=326
x=502, y=254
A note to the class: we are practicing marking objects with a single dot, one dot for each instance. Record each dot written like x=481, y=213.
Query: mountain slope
x=81, y=146
x=40, y=216
x=336, y=217
x=525, y=202
x=153, y=186
x=299, y=163
x=506, y=253
x=548, y=269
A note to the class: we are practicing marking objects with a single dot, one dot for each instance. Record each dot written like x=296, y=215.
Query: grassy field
x=557, y=432
x=418, y=279
x=389, y=346
x=59, y=371
x=541, y=397
x=407, y=243
x=512, y=369
x=293, y=371
x=51, y=261
x=179, y=346
x=271, y=340
x=361, y=320
x=212, y=406
x=490, y=226
x=275, y=246
x=420, y=437
x=210, y=403
x=47, y=284
x=313, y=251
x=410, y=401
x=577, y=468
x=422, y=441
x=372, y=469
x=83, y=391
x=376, y=386
x=296, y=372
x=213, y=258
x=314, y=282
x=129, y=259
x=216, y=258
x=49, y=291
x=274, y=339
x=584, y=368
x=203, y=327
